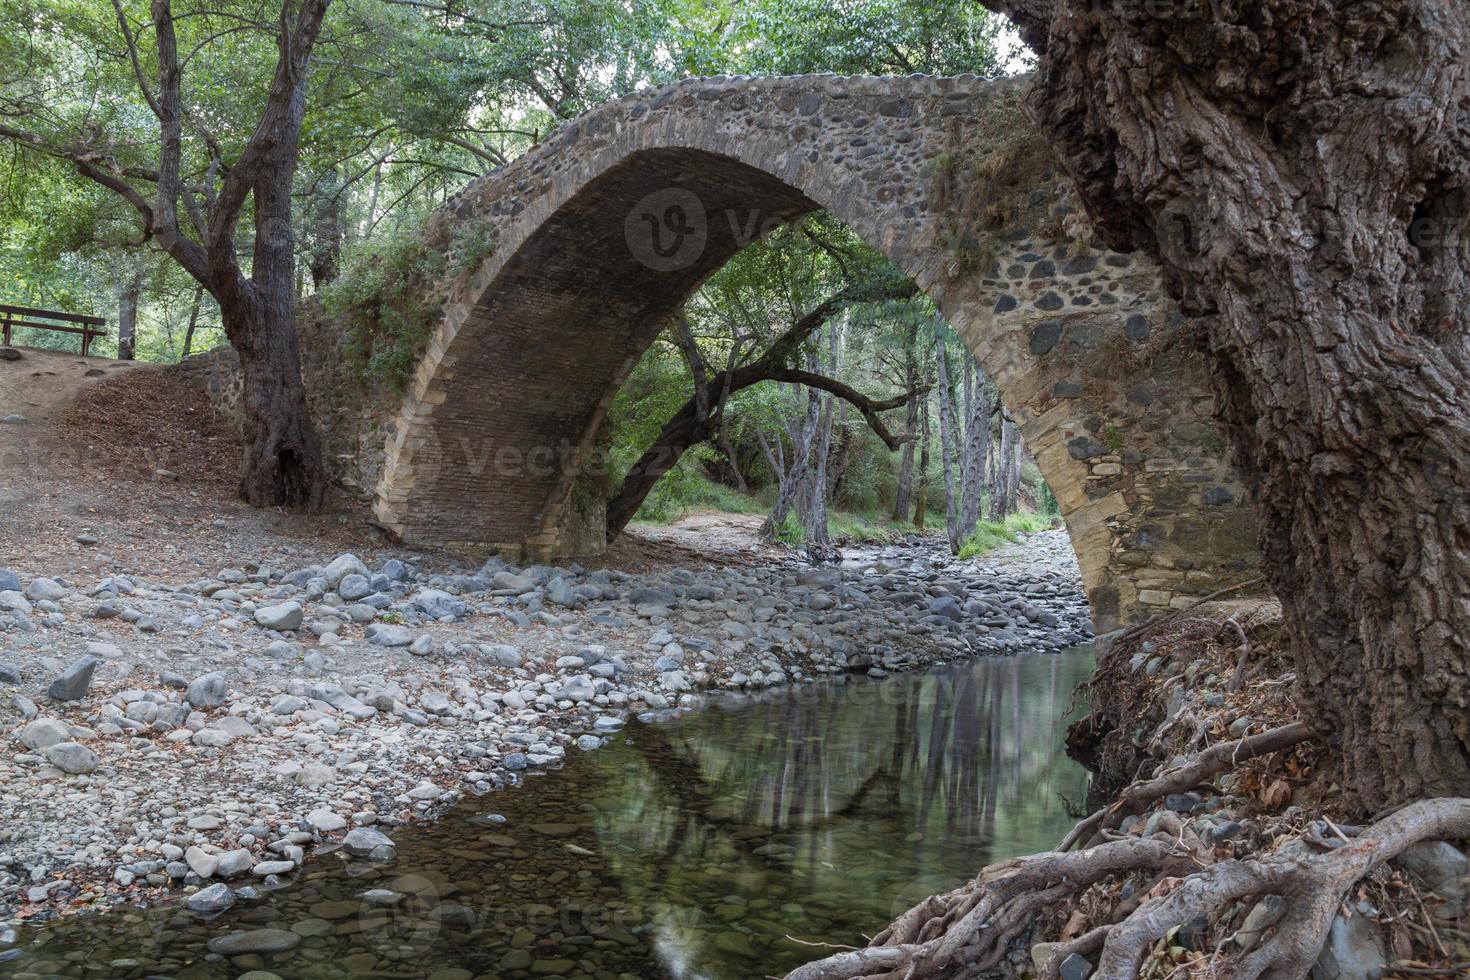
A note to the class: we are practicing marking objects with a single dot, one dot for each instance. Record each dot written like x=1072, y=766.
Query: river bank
x=721, y=844
x=177, y=735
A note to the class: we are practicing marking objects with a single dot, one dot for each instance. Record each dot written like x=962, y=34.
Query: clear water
x=715, y=845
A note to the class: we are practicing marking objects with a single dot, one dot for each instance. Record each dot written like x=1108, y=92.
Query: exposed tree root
x=969, y=931
x=1199, y=770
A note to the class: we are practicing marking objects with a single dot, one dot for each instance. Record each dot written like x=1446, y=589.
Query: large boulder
x=43, y=733
x=343, y=566
x=73, y=682
x=283, y=616
x=437, y=604
x=72, y=757
x=208, y=690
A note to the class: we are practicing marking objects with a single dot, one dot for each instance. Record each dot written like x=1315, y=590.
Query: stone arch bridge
x=597, y=236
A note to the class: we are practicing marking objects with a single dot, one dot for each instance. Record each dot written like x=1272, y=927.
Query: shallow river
x=712, y=845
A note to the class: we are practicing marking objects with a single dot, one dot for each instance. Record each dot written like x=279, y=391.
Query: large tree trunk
x=283, y=457
x=1006, y=474
x=977, y=443
x=127, y=318
x=921, y=504
x=947, y=453
x=1301, y=168
x=282, y=454
x=906, y=459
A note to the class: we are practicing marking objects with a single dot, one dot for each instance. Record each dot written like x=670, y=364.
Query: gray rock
x=674, y=681
x=389, y=635
x=9, y=674
x=948, y=607
x=201, y=862
x=510, y=582
x=1439, y=864
x=1075, y=967
x=343, y=566
x=231, y=864
x=9, y=581
x=215, y=898
x=559, y=592
x=369, y=843
x=14, y=602
x=285, y=616
x=72, y=685
x=648, y=596
x=1265, y=914
x=354, y=587
x=43, y=733
x=260, y=941
x=72, y=757
x=502, y=653
x=46, y=588
x=208, y=690
x=437, y=604
x=578, y=688
x=1354, y=951
x=234, y=725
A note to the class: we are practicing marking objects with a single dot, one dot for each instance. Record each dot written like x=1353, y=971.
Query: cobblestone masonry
x=601, y=232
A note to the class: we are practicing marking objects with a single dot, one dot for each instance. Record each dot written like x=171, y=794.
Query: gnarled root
x=1314, y=885
x=975, y=924
x=968, y=931
x=1198, y=771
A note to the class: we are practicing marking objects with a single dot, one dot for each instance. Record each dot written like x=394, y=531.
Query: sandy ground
x=55, y=487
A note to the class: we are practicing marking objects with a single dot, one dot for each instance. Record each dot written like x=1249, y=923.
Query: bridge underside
x=603, y=232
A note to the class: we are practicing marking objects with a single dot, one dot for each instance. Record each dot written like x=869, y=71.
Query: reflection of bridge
x=605, y=229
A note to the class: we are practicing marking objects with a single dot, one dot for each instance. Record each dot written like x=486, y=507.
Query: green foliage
x=1046, y=501
x=790, y=531
x=844, y=526
x=384, y=299
x=988, y=535
x=686, y=489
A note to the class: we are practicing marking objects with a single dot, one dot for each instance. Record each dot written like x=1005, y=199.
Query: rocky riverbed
x=194, y=739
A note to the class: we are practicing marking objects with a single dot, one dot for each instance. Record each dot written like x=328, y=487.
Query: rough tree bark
x=1006, y=474
x=948, y=451
x=921, y=503
x=1300, y=168
x=977, y=440
x=127, y=318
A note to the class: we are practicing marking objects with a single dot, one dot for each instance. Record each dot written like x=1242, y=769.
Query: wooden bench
x=23, y=316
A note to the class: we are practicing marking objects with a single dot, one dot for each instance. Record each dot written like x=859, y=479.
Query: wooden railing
x=23, y=316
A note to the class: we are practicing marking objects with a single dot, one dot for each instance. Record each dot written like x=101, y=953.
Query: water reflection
x=710, y=846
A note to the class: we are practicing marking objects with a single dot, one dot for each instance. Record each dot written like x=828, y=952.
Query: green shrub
x=790, y=531
x=384, y=299
x=989, y=535
x=847, y=527
x=686, y=489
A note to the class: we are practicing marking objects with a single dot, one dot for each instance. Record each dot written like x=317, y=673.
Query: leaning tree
x=1301, y=169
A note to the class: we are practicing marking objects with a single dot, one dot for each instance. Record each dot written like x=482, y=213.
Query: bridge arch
x=601, y=233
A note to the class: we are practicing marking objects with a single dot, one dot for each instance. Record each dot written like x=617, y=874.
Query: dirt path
x=60, y=483
x=61, y=487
